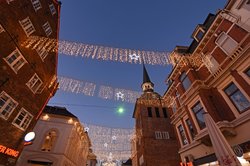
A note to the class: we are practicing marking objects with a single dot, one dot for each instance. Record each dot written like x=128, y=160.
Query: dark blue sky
x=157, y=25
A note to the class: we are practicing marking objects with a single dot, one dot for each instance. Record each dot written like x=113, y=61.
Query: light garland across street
x=96, y=51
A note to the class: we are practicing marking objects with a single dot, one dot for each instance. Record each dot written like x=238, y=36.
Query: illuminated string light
x=110, y=144
x=96, y=52
x=89, y=89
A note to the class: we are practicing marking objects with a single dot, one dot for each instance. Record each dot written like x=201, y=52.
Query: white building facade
x=60, y=141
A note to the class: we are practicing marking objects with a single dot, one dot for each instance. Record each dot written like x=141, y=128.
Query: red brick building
x=213, y=75
x=154, y=142
x=28, y=78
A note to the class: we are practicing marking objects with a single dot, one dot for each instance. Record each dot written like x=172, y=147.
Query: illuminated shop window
x=27, y=26
x=23, y=119
x=49, y=141
x=15, y=60
x=237, y=97
x=226, y=43
x=52, y=9
x=35, y=84
x=185, y=81
x=190, y=128
x=182, y=135
x=47, y=29
x=198, y=112
x=7, y=105
x=36, y=4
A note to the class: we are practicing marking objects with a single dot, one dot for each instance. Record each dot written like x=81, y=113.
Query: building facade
x=154, y=142
x=213, y=75
x=60, y=141
x=27, y=77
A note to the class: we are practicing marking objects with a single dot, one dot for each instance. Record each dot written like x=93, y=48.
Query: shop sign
x=8, y=151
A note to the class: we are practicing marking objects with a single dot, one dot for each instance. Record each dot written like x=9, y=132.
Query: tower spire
x=147, y=85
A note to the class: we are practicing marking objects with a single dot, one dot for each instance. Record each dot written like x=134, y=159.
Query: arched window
x=49, y=141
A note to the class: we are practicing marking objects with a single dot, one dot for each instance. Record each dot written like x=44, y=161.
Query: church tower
x=154, y=142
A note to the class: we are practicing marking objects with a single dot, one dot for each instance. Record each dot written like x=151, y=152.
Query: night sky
x=154, y=25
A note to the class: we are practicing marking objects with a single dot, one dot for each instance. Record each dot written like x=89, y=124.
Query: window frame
x=27, y=26
x=43, y=53
x=226, y=38
x=36, y=5
x=16, y=61
x=182, y=134
x=158, y=135
x=52, y=9
x=7, y=102
x=185, y=79
x=23, y=120
x=190, y=126
x=47, y=28
x=31, y=85
x=234, y=92
x=195, y=112
x=200, y=29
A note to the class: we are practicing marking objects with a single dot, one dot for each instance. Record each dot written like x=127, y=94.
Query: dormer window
x=198, y=33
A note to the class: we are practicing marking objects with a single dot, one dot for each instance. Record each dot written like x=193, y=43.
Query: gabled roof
x=58, y=111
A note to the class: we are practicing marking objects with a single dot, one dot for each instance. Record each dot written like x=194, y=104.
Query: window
x=226, y=43
x=185, y=81
x=158, y=135
x=247, y=72
x=211, y=64
x=174, y=109
x=199, y=34
x=157, y=112
x=165, y=114
x=47, y=29
x=42, y=53
x=52, y=9
x=149, y=112
x=1, y=29
x=182, y=135
x=34, y=84
x=49, y=141
x=165, y=135
x=190, y=128
x=198, y=112
x=7, y=105
x=15, y=60
x=23, y=119
x=237, y=98
x=27, y=26
x=36, y=4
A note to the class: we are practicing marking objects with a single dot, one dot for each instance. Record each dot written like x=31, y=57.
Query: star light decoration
x=120, y=95
x=96, y=52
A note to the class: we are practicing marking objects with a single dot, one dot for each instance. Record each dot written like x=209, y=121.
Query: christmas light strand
x=90, y=89
x=110, y=144
x=96, y=51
